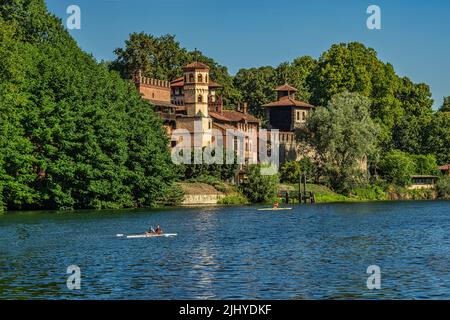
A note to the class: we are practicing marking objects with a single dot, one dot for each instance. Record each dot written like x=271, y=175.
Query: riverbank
x=198, y=194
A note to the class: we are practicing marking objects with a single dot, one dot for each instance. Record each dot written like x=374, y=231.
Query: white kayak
x=274, y=209
x=136, y=236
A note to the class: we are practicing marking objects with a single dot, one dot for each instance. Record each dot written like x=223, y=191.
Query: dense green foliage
x=443, y=188
x=368, y=192
x=397, y=167
x=222, y=171
x=72, y=134
x=234, y=199
x=342, y=135
x=446, y=105
x=163, y=58
x=437, y=137
x=259, y=188
x=402, y=108
x=291, y=170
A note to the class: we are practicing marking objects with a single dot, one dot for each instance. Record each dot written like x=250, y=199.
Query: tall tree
x=342, y=135
x=163, y=58
x=446, y=105
x=72, y=133
x=257, y=88
x=437, y=137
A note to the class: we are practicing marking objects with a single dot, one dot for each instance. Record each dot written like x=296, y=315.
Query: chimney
x=245, y=108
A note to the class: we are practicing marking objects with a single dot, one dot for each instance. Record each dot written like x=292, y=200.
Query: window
x=200, y=77
x=206, y=78
x=297, y=116
x=191, y=77
x=304, y=116
x=209, y=125
x=200, y=98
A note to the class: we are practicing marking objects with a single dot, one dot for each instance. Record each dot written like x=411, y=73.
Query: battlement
x=153, y=82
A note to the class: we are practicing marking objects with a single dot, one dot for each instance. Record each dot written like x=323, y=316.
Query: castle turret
x=196, y=94
x=196, y=89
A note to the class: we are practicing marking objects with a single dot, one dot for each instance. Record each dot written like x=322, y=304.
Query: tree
x=72, y=133
x=259, y=188
x=436, y=139
x=443, y=188
x=395, y=101
x=163, y=58
x=341, y=135
x=257, y=88
x=446, y=105
x=297, y=74
x=397, y=167
x=425, y=164
x=222, y=171
x=291, y=171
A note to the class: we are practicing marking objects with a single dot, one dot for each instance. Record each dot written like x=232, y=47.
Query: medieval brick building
x=287, y=115
x=191, y=103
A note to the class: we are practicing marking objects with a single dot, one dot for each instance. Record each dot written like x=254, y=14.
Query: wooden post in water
x=304, y=188
x=300, y=188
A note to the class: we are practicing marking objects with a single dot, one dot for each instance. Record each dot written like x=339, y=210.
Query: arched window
x=206, y=78
x=200, y=98
x=191, y=77
x=200, y=77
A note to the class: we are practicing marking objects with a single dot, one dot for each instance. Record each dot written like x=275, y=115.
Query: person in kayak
x=158, y=230
x=150, y=231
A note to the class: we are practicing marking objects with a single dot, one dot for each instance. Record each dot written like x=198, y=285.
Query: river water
x=312, y=252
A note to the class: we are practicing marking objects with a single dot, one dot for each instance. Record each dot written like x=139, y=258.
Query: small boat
x=274, y=209
x=136, y=236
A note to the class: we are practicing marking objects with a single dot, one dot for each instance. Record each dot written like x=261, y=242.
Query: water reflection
x=314, y=252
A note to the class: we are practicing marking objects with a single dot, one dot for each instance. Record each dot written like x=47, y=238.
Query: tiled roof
x=233, y=116
x=288, y=102
x=285, y=87
x=223, y=126
x=178, y=82
x=160, y=103
x=445, y=167
x=196, y=65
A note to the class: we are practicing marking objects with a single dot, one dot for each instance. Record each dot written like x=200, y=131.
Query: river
x=312, y=252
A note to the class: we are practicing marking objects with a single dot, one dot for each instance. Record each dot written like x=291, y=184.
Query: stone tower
x=196, y=93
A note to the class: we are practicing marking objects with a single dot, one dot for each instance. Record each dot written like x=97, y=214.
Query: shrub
x=369, y=192
x=443, y=188
x=259, y=188
x=233, y=199
x=397, y=167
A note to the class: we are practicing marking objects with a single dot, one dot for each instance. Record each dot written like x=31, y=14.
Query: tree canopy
x=163, y=58
x=342, y=135
x=72, y=133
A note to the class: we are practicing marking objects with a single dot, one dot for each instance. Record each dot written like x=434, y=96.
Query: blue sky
x=248, y=33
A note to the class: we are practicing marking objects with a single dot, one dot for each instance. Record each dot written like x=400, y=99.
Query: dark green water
x=312, y=252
